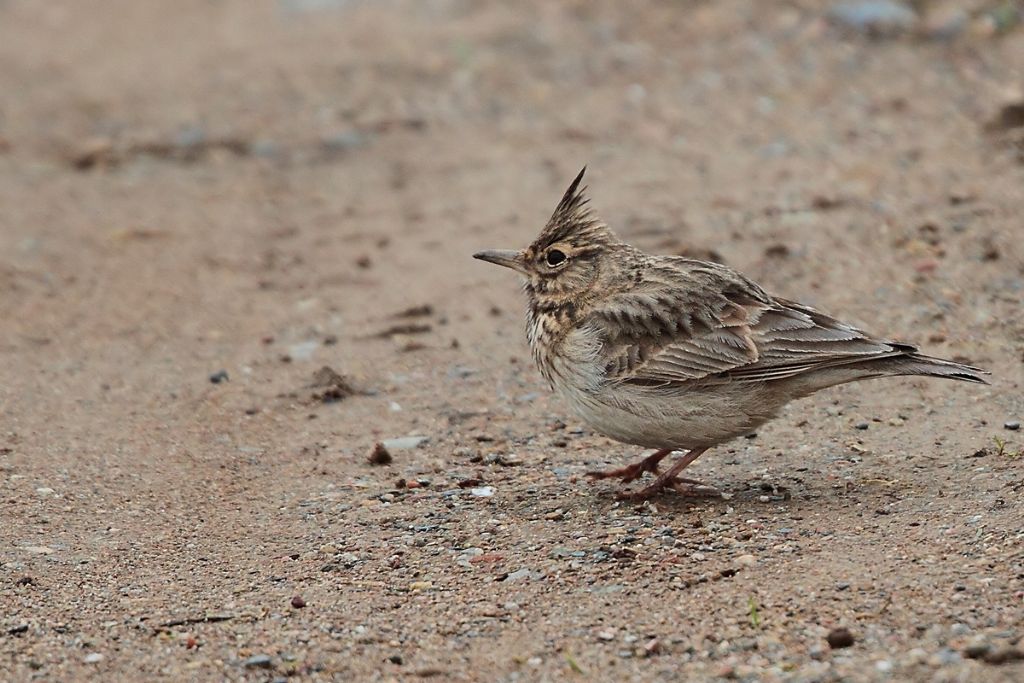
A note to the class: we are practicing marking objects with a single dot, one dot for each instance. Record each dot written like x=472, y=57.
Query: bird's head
x=564, y=261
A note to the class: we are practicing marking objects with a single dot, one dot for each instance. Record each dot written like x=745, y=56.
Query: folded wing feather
x=705, y=323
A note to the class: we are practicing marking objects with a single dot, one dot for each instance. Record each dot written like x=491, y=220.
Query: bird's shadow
x=795, y=494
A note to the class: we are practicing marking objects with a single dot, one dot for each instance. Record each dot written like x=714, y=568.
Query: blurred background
x=220, y=134
x=205, y=203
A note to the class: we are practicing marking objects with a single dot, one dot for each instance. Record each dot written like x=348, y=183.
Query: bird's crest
x=573, y=221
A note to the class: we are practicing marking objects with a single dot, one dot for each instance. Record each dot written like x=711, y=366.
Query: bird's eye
x=554, y=257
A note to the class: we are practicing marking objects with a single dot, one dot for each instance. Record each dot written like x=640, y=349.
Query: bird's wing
x=688, y=321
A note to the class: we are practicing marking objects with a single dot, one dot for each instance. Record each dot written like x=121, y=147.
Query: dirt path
x=265, y=187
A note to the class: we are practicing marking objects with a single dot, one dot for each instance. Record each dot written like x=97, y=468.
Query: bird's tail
x=928, y=366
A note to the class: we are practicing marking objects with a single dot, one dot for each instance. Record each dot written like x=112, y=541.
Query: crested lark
x=674, y=353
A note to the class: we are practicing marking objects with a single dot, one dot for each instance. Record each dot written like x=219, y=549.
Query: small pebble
x=219, y=376
x=960, y=628
x=746, y=560
x=1012, y=425
x=977, y=649
x=404, y=442
x=38, y=549
x=861, y=425
x=944, y=657
x=298, y=602
x=93, y=658
x=510, y=460
x=483, y=491
x=343, y=141
x=519, y=575
x=840, y=638
x=882, y=18
x=945, y=22
x=503, y=459
x=303, y=350
x=258, y=662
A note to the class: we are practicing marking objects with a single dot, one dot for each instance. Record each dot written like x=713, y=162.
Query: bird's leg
x=670, y=478
x=636, y=470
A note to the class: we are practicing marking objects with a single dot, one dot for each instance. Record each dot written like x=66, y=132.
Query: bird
x=678, y=354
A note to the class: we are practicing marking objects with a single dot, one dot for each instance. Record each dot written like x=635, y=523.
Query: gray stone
x=519, y=575
x=345, y=141
x=308, y=6
x=882, y=18
x=303, y=350
x=258, y=662
x=402, y=443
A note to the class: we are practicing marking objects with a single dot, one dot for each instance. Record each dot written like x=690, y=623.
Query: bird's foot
x=626, y=474
x=694, y=488
x=673, y=480
x=633, y=472
x=687, y=487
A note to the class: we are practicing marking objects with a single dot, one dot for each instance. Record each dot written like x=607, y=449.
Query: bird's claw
x=681, y=485
x=627, y=474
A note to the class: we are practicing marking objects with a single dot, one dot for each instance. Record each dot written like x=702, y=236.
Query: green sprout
x=573, y=664
x=755, y=616
x=1002, y=451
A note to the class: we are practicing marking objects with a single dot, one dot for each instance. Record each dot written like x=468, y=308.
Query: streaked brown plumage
x=678, y=354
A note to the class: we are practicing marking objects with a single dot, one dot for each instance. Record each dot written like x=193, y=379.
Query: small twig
x=887, y=604
x=404, y=328
x=209, y=619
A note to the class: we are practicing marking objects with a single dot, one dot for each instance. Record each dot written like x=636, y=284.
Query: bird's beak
x=503, y=257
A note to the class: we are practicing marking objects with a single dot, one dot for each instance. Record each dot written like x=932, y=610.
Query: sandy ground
x=264, y=188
